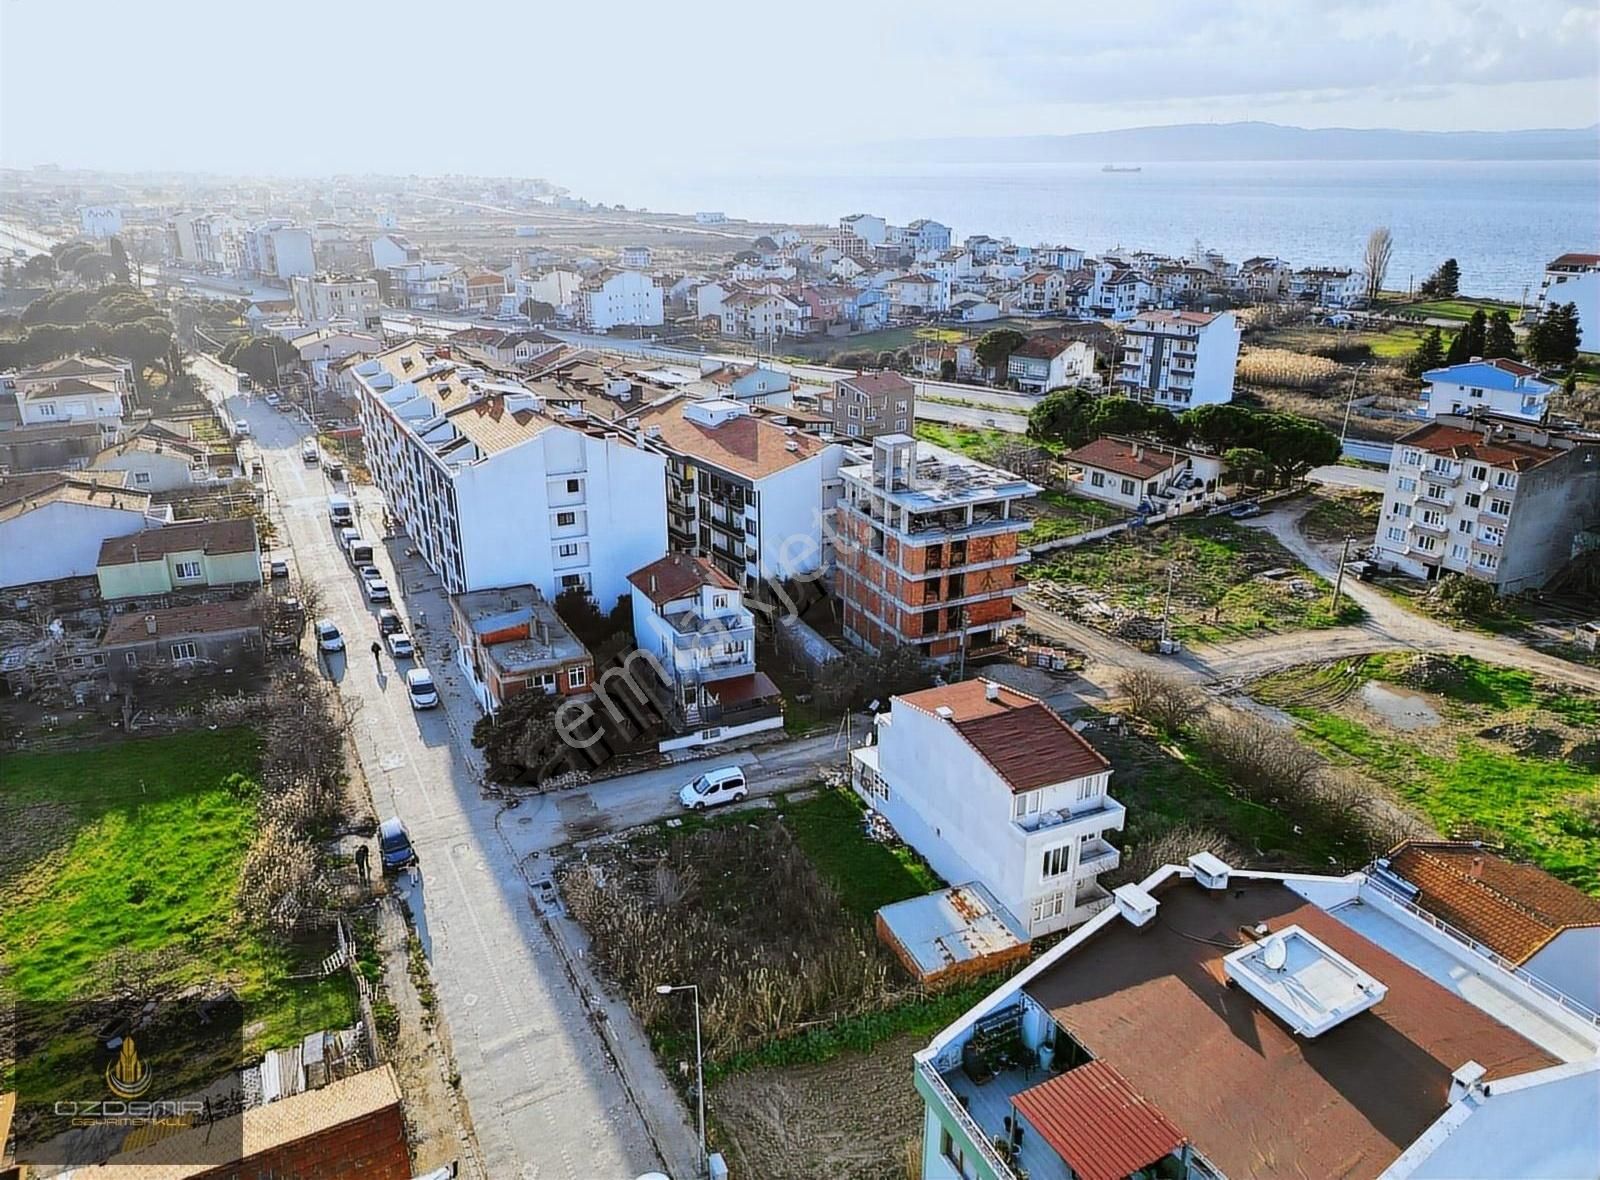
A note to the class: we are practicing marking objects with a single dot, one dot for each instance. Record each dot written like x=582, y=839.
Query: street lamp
x=1350, y=401
x=666, y=989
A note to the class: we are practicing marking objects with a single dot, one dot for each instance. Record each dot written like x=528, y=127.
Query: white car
x=419, y=687
x=724, y=785
x=273, y=399
x=400, y=645
x=241, y=427
x=328, y=637
x=377, y=589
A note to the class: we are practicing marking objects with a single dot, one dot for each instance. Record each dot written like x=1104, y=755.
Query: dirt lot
x=853, y=1117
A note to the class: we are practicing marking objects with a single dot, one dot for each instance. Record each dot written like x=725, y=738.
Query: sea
x=1501, y=221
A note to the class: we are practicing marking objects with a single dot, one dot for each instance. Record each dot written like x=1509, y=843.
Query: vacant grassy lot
x=1481, y=750
x=894, y=339
x=865, y=874
x=1336, y=515
x=977, y=444
x=1061, y=514
x=1455, y=309
x=1217, y=590
x=129, y=854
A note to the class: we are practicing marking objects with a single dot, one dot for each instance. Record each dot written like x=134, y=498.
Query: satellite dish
x=1274, y=954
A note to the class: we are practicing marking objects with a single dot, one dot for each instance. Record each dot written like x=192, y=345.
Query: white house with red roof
x=990, y=785
x=1143, y=476
x=1575, y=279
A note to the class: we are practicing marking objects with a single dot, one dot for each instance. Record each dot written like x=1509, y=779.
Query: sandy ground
x=848, y=1119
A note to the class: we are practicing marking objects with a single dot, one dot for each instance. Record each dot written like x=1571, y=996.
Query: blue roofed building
x=1499, y=386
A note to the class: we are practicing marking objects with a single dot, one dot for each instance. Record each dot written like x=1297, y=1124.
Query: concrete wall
x=60, y=540
x=1551, y=504
x=1215, y=360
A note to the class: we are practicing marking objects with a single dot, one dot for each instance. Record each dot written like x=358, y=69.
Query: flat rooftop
x=951, y=927
x=517, y=628
x=1155, y=1005
x=945, y=479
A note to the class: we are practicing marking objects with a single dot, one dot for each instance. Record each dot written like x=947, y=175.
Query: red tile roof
x=1098, y=1123
x=1577, y=260
x=208, y=618
x=1511, y=908
x=1020, y=737
x=745, y=445
x=1439, y=438
x=208, y=536
x=1042, y=347
x=1123, y=458
x=676, y=575
x=1515, y=368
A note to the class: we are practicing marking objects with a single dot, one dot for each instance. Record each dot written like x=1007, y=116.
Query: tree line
x=1259, y=445
x=114, y=320
x=1551, y=342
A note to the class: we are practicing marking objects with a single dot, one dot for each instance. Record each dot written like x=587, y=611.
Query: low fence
x=1367, y=452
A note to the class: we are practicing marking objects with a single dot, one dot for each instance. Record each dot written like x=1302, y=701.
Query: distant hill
x=1251, y=141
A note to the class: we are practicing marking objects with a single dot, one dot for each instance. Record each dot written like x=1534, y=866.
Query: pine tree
x=1460, y=350
x=1429, y=354
x=1443, y=283
x=1500, y=340
x=1469, y=342
x=1567, y=336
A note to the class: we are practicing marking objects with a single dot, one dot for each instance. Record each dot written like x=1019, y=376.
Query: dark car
x=1245, y=511
x=394, y=846
x=389, y=622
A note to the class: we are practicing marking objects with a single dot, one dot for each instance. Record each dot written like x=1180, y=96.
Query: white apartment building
x=100, y=221
x=1178, y=359
x=321, y=299
x=423, y=285
x=1222, y=1024
x=918, y=295
x=752, y=495
x=760, y=315
x=279, y=250
x=991, y=785
x=1499, y=386
x=1328, y=286
x=559, y=288
x=497, y=489
x=926, y=236
x=614, y=298
x=1491, y=497
x=1575, y=279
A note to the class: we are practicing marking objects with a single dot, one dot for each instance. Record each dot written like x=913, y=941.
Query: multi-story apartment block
x=1263, y=278
x=1575, y=279
x=320, y=299
x=1492, y=497
x=479, y=291
x=497, y=488
x=870, y=404
x=926, y=236
x=918, y=294
x=1328, y=286
x=754, y=496
x=929, y=549
x=1178, y=359
x=1220, y=1024
x=992, y=786
x=278, y=250
x=613, y=298
x=690, y=617
x=1043, y=362
x=762, y=315
x=1499, y=386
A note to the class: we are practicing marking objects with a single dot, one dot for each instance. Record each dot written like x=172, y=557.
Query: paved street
x=546, y=1098
x=1339, y=476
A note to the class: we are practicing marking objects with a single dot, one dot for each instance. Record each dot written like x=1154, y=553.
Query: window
x=577, y=677
x=1463, y=526
x=564, y=519
x=572, y=581
x=1487, y=561
x=130, y=658
x=1026, y=803
x=1050, y=906
x=952, y=1152
x=1500, y=507
x=1436, y=492
x=852, y=429
x=141, y=477
x=1403, y=511
x=1088, y=788
x=1479, y=471
x=855, y=411
x=573, y=485
x=1410, y=457
x=1396, y=534
x=1406, y=484
x=1472, y=499
x=1505, y=479
x=900, y=406
x=568, y=550
x=1427, y=544
x=1057, y=861
x=184, y=651
x=188, y=571
x=719, y=602
x=1097, y=479
x=1458, y=552
x=1127, y=487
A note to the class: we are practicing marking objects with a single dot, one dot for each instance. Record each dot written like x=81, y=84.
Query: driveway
x=546, y=1095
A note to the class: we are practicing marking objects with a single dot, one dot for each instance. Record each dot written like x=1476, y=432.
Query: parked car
x=241, y=428
x=400, y=645
x=421, y=690
x=724, y=785
x=389, y=622
x=278, y=569
x=1245, y=511
x=274, y=398
x=309, y=454
x=394, y=846
x=367, y=572
x=328, y=637
x=377, y=589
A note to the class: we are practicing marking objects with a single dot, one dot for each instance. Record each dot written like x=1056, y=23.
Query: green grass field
x=1454, y=775
x=894, y=339
x=969, y=441
x=866, y=874
x=1455, y=309
x=136, y=847
x=1061, y=514
x=1216, y=595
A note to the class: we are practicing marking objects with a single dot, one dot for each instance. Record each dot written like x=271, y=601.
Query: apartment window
x=1435, y=492
x=1410, y=457
x=952, y=1152
x=1458, y=552
x=1024, y=804
x=46, y=410
x=1406, y=484
x=1463, y=526
x=1479, y=471
x=1433, y=518
x=1128, y=487
x=852, y=429
x=719, y=602
x=1050, y=906
x=140, y=478
x=572, y=581
x=573, y=485
x=854, y=411
x=563, y=519
x=900, y=406
x=1505, y=479
x=1396, y=534
x=188, y=571
x=577, y=677
x=184, y=651
x=130, y=658
x=1442, y=465
x=1403, y=511
x=1500, y=507
x=545, y=681
x=1472, y=499
x=1097, y=479
x=1427, y=544
x=1487, y=561
x=1057, y=861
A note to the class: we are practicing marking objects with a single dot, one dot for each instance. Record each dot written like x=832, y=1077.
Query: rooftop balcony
x=1106, y=813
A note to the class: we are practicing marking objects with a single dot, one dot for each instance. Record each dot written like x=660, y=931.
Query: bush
x=1163, y=701
x=1462, y=597
x=1172, y=847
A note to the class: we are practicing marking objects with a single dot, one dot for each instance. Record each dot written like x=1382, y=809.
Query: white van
x=723, y=785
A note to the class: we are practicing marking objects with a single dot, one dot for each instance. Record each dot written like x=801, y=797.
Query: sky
x=574, y=91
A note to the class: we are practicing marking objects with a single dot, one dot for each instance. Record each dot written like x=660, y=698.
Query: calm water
x=1501, y=221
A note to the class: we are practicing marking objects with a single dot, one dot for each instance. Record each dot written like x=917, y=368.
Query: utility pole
x=1350, y=401
x=1338, y=582
x=1166, y=612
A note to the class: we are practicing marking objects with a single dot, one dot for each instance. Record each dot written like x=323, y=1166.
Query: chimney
x=149, y=624
x=1466, y=1082
x=1476, y=869
x=652, y=583
x=991, y=691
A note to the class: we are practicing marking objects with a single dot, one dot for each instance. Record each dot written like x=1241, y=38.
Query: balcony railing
x=1438, y=528
x=1448, y=478
x=937, y=1086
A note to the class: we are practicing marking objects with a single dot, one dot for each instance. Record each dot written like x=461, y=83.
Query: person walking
x=377, y=656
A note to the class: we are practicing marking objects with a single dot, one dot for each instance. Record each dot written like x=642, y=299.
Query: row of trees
x=1260, y=446
x=1553, y=341
x=115, y=320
